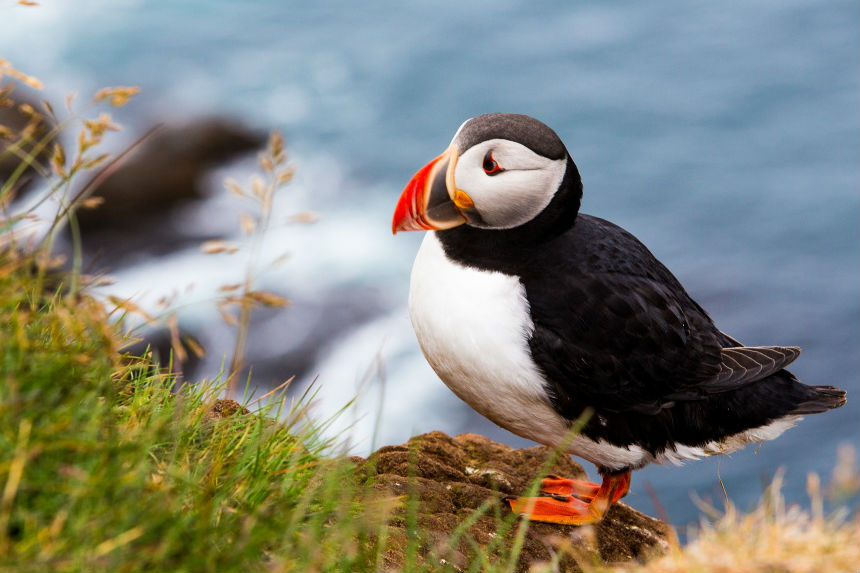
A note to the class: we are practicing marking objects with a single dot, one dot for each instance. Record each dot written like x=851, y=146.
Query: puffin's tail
x=823, y=398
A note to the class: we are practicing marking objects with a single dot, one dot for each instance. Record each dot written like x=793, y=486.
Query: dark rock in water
x=14, y=119
x=453, y=477
x=166, y=173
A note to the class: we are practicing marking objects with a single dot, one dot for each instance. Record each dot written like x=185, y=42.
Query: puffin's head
x=501, y=171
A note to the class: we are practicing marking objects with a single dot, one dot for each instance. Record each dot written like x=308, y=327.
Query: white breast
x=473, y=327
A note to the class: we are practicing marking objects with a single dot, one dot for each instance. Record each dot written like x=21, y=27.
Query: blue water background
x=726, y=137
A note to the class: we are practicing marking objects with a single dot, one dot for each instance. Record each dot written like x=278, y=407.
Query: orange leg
x=567, y=509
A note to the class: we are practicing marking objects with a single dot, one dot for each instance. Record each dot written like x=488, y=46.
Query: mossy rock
x=454, y=477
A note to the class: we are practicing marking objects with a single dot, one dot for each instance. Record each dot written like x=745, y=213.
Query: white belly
x=473, y=327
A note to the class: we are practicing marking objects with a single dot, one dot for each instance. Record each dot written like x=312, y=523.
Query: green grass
x=103, y=468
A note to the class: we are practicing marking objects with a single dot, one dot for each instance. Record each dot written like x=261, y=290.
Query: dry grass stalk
x=240, y=299
x=772, y=537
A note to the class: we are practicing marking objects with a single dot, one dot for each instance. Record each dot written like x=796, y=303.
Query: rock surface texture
x=454, y=477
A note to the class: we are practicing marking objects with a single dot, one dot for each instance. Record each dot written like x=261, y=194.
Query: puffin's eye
x=490, y=166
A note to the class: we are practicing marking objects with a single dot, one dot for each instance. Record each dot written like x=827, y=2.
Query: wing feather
x=745, y=364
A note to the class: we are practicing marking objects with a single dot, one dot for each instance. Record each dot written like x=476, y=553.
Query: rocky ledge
x=454, y=477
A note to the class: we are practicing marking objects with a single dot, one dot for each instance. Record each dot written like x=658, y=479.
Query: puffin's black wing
x=613, y=329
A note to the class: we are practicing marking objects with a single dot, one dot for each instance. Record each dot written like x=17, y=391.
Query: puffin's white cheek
x=513, y=198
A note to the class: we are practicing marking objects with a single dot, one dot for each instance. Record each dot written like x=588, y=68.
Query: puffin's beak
x=428, y=201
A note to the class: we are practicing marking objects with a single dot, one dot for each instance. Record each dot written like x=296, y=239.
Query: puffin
x=564, y=329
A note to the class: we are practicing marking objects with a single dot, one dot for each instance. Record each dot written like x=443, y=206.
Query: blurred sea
x=726, y=137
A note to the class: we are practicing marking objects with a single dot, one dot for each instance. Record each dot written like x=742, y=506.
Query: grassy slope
x=103, y=468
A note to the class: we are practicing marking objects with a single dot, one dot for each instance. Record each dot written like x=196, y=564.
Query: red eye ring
x=491, y=167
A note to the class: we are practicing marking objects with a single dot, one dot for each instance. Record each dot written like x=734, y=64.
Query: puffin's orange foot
x=566, y=510
x=566, y=507
x=582, y=489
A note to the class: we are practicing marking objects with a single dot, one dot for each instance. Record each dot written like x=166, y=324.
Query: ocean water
x=727, y=138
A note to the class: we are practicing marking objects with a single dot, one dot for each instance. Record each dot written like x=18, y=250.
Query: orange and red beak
x=431, y=200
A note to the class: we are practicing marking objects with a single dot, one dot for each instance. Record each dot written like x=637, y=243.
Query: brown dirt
x=453, y=477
